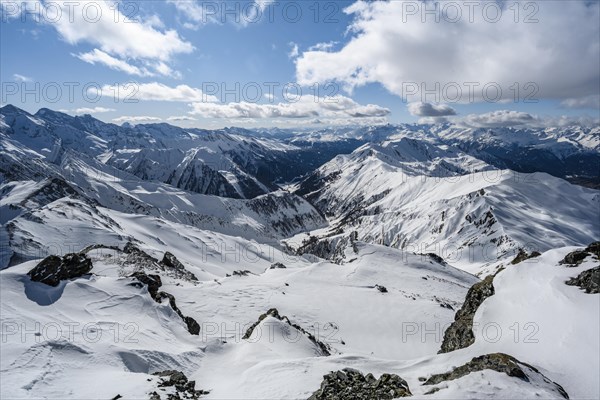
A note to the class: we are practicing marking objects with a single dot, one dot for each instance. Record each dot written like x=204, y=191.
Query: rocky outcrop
x=171, y=263
x=277, y=265
x=350, y=384
x=498, y=362
x=460, y=333
x=153, y=283
x=184, y=388
x=588, y=280
x=381, y=288
x=576, y=257
x=522, y=255
x=273, y=312
x=53, y=269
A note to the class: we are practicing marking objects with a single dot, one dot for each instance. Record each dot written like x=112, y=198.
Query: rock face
x=277, y=265
x=498, y=362
x=273, y=312
x=350, y=384
x=460, y=333
x=52, y=269
x=589, y=280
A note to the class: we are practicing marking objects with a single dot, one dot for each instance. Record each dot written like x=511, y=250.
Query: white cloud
x=326, y=46
x=241, y=14
x=129, y=45
x=21, y=78
x=592, y=101
x=306, y=107
x=500, y=118
x=181, y=118
x=95, y=110
x=155, y=91
x=98, y=56
x=136, y=119
x=294, y=51
x=422, y=109
x=560, y=54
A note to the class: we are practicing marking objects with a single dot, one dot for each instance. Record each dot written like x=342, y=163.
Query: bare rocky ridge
x=498, y=362
x=460, y=333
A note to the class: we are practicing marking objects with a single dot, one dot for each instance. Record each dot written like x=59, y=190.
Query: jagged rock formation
x=53, y=269
x=460, y=333
x=350, y=384
x=498, y=362
x=273, y=312
x=589, y=280
x=277, y=265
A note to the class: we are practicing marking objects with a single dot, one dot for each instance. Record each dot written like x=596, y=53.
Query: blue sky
x=363, y=56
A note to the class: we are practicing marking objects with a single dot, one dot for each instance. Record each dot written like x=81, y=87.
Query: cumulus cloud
x=136, y=119
x=118, y=41
x=306, y=107
x=559, y=54
x=421, y=109
x=325, y=46
x=500, y=118
x=592, y=101
x=154, y=91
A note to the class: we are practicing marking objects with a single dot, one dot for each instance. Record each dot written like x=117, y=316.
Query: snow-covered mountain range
x=431, y=261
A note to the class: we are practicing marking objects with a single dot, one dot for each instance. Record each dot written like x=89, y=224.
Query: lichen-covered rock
x=460, y=333
x=498, y=362
x=350, y=384
x=53, y=269
x=588, y=280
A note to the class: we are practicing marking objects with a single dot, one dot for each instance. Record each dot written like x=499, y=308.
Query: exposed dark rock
x=381, y=288
x=171, y=262
x=242, y=273
x=273, y=312
x=437, y=258
x=277, y=265
x=574, y=258
x=498, y=362
x=522, y=255
x=460, y=333
x=588, y=280
x=184, y=389
x=350, y=384
x=153, y=282
x=192, y=326
x=52, y=269
x=594, y=248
